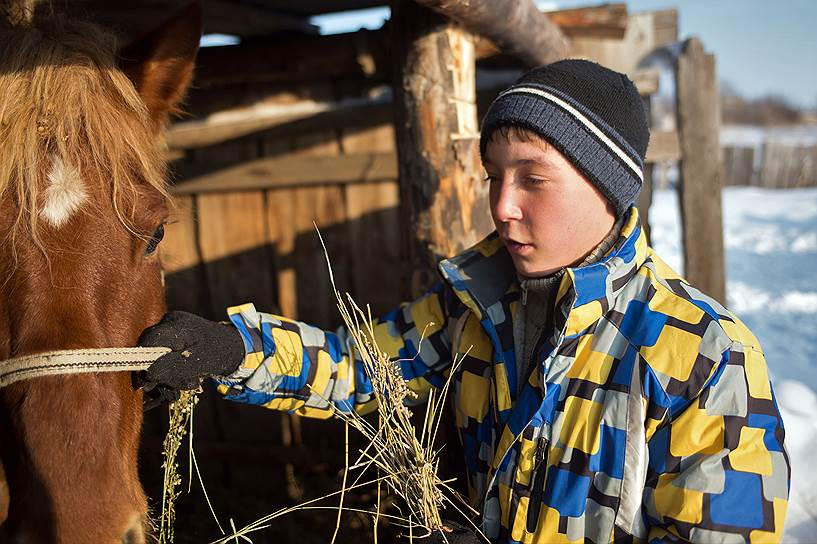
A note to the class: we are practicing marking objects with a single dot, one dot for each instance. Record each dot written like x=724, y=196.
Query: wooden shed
x=372, y=136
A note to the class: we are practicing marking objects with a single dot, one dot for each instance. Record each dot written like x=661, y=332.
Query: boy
x=603, y=397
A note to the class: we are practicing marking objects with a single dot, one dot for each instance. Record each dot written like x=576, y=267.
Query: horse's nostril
x=134, y=535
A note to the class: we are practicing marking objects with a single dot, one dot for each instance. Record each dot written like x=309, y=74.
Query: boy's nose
x=507, y=206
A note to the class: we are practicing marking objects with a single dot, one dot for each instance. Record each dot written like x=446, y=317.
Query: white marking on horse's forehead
x=64, y=194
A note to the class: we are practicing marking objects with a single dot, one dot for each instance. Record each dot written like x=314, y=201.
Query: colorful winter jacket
x=652, y=418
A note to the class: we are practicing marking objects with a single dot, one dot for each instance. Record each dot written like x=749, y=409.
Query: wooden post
x=517, y=27
x=644, y=200
x=700, y=169
x=443, y=200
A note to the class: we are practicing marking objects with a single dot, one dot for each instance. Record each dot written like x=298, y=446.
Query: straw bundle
x=405, y=461
x=408, y=462
x=180, y=413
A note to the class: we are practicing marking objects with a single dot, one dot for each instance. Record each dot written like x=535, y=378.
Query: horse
x=83, y=201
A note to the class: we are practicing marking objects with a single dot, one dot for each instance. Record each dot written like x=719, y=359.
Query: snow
x=771, y=268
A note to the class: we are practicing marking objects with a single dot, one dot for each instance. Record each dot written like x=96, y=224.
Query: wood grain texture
x=374, y=244
x=700, y=169
x=645, y=32
x=304, y=290
x=235, y=251
x=664, y=146
x=604, y=21
x=179, y=249
x=444, y=206
x=517, y=27
x=293, y=171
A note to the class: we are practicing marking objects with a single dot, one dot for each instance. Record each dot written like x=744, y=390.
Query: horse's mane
x=62, y=96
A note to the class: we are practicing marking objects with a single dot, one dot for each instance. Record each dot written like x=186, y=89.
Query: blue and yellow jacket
x=652, y=418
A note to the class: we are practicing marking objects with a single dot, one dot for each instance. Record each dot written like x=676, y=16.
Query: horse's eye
x=157, y=236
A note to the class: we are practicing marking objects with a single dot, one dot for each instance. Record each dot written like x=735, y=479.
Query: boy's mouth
x=518, y=248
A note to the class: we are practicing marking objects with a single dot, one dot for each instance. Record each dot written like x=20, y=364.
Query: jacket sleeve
x=718, y=471
x=300, y=368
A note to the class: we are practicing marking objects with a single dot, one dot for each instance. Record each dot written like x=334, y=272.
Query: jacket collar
x=481, y=275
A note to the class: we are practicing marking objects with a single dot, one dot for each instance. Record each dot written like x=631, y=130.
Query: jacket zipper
x=541, y=454
x=535, y=499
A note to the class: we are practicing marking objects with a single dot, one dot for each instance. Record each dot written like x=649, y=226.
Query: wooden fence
x=257, y=242
x=772, y=165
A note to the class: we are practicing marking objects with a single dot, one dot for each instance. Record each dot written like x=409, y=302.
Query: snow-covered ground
x=771, y=270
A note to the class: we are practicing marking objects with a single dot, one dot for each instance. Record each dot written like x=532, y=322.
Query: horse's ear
x=160, y=64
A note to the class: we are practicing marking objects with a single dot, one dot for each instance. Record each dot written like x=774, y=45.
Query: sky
x=761, y=46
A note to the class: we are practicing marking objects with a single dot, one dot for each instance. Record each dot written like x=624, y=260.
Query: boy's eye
x=534, y=180
x=489, y=178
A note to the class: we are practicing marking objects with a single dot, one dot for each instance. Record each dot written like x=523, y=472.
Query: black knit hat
x=591, y=114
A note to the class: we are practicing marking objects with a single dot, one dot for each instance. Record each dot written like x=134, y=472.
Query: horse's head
x=82, y=203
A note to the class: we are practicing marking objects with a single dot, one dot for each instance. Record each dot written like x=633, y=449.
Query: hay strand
x=180, y=413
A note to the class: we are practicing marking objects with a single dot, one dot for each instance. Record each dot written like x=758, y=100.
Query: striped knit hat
x=591, y=114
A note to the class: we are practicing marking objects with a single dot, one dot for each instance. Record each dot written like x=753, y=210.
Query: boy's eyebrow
x=523, y=162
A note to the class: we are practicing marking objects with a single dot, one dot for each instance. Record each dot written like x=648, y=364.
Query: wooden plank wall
x=259, y=245
x=231, y=247
x=774, y=165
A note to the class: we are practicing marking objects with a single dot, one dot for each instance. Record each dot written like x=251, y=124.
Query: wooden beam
x=295, y=59
x=665, y=27
x=294, y=172
x=700, y=169
x=135, y=18
x=364, y=53
x=444, y=202
x=664, y=146
x=302, y=117
x=517, y=27
x=345, y=54
x=237, y=123
x=646, y=81
x=605, y=21
x=247, y=19
x=623, y=55
x=200, y=134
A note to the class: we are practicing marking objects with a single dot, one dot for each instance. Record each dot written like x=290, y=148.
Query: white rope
x=77, y=361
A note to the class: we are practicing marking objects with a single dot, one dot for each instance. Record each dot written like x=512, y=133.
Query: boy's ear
x=160, y=64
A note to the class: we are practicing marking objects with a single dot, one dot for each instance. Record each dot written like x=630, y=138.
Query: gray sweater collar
x=550, y=284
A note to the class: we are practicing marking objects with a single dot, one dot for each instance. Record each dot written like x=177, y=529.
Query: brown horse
x=82, y=204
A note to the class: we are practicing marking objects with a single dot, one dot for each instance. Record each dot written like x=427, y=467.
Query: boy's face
x=546, y=212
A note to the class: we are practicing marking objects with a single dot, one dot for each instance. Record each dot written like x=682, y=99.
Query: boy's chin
x=532, y=269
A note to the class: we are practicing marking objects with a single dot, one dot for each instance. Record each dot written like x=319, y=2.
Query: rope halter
x=77, y=361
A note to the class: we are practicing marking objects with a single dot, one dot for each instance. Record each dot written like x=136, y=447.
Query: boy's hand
x=200, y=349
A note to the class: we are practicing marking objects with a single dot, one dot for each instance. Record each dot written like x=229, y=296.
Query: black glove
x=200, y=348
x=459, y=534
